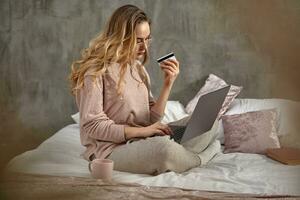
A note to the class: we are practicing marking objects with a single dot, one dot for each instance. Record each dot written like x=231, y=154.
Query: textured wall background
x=253, y=43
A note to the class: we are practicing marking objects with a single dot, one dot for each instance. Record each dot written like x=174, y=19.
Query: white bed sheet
x=235, y=172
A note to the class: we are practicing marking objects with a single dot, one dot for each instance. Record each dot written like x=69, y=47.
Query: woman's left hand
x=171, y=69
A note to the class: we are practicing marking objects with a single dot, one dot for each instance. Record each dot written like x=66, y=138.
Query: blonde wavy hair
x=116, y=44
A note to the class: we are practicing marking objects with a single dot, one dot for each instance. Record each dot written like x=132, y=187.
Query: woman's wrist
x=168, y=85
x=132, y=132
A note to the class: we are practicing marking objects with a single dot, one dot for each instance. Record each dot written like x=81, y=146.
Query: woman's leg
x=201, y=142
x=206, y=155
x=153, y=155
x=205, y=145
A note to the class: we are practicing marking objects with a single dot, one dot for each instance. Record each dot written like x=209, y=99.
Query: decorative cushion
x=251, y=132
x=288, y=114
x=214, y=83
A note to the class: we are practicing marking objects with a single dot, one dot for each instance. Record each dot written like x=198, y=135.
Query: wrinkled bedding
x=235, y=172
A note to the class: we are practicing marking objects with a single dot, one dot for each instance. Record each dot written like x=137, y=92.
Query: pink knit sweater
x=104, y=114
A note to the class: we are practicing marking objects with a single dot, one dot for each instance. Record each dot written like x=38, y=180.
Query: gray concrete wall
x=253, y=43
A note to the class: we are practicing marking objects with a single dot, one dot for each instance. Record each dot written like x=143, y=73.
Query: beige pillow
x=251, y=132
x=214, y=83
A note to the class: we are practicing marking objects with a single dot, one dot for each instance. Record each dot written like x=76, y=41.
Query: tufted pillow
x=251, y=132
x=214, y=83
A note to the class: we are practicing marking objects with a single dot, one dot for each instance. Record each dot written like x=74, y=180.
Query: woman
x=118, y=115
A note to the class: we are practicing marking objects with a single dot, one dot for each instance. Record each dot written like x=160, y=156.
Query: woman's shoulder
x=94, y=71
x=90, y=72
x=110, y=73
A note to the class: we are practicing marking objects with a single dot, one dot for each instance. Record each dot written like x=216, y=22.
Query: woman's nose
x=143, y=46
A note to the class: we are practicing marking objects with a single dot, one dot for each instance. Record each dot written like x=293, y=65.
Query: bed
x=240, y=174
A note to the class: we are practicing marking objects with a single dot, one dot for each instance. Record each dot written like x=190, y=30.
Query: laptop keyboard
x=178, y=132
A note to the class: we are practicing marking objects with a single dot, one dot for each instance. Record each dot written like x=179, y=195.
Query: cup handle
x=90, y=167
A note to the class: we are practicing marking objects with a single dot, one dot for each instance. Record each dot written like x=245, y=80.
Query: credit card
x=166, y=57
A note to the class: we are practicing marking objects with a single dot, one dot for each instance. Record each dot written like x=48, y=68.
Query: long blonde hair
x=116, y=44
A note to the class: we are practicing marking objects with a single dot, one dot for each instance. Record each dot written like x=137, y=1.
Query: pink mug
x=101, y=168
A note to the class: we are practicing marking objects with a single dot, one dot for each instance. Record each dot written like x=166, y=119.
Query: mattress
x=234, y=172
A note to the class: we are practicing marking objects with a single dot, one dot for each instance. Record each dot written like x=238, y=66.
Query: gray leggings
x=159, y=154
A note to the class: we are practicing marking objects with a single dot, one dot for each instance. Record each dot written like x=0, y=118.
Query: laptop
x=203, y=117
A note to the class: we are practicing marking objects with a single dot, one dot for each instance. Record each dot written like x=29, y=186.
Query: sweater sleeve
x=93, y=120
x=154, y=116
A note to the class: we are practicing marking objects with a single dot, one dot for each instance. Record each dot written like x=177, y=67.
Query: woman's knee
x=160, y=154
x=166, y=157
x=174, y=157
x=168, y=151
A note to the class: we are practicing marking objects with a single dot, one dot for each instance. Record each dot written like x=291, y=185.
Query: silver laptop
x=203, y=117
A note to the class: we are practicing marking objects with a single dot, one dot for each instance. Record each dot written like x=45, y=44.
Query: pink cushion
x=214, y=83
x=251, y=132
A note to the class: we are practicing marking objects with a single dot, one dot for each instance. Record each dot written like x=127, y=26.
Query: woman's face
x=143, y=38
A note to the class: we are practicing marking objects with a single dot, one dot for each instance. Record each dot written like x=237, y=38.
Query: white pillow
x=174, y=111
x=288, y=117
x=76, y=117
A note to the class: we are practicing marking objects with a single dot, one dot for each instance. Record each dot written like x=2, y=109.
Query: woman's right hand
x=157, y=128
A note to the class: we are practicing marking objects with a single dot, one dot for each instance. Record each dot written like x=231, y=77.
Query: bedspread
x=24, y=186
